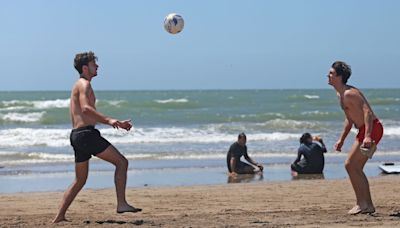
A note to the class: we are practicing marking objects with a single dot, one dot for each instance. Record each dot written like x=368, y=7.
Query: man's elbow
x=349, y=125
x=368, y=113
x=85, y=109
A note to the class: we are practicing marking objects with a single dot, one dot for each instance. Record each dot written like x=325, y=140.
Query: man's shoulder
x=234, y=145
x=352, y=95
x=315, y=145
x=352, y=92
x=82, y=84
x=303, y=147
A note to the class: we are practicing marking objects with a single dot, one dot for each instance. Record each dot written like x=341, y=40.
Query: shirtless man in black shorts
x=86, y=139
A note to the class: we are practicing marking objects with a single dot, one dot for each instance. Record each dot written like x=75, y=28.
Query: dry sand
x=304, y=203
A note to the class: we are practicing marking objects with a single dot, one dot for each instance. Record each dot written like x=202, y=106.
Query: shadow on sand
x=111, y=221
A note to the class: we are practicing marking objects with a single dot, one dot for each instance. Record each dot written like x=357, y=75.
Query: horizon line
x=233, y=89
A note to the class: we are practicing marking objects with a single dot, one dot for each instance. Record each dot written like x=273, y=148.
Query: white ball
x=173, y=23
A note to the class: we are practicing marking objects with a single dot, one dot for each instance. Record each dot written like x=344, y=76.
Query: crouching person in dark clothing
x=313, y=156
x=235, y=165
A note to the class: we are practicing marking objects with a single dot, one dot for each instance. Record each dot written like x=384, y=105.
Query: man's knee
x=348, y=165
x=80, y=182
x=351, y=166
x=123, y=163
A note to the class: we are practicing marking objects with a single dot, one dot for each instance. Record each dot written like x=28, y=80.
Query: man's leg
x=354, y=166
x=81, y=174
x=112, y=155
x=244, y=168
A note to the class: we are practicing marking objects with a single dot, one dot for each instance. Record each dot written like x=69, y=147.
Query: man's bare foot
x=355, y=210
x=128, y=208
x=368, y=210
x=60, y=219
x=358, y=210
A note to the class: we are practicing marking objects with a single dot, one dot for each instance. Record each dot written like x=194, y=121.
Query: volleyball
x=173, y=23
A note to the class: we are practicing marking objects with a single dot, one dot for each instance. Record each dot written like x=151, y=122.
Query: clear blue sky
x=225, y=44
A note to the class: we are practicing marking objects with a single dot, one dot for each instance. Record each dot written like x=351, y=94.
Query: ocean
x=181, y=137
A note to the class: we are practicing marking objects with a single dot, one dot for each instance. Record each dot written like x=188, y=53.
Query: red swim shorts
x=376, y=134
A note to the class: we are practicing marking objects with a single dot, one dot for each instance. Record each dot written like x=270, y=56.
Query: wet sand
x=300, y=203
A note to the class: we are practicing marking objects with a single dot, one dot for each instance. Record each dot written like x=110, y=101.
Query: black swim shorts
x=86, y=142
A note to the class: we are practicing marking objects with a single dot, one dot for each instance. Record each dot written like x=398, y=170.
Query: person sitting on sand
x=313, y=156
x=236, y=151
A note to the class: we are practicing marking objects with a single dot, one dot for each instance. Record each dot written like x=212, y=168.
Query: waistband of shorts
x=89, y=127
x=375, y=121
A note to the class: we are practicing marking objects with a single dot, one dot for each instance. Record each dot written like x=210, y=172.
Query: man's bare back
x=82, y=93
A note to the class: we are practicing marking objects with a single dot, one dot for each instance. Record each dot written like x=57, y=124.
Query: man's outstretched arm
x=84, y=91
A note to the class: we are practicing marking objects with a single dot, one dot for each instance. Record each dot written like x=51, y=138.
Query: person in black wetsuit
x=313, y=153
x=236, y=151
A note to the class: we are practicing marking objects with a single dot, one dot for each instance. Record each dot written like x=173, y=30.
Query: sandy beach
x=303, y=203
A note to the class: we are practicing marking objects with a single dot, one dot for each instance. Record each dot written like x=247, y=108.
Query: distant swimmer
x=235, y=165
x=86, y=140
x=313, y=156
x=359, y=113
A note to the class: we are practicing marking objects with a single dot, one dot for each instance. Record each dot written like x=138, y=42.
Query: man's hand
x=317, y=138
x=367, y=142
x=113, y=122
x=125, y=124
x=338, y=146
x=233, y=174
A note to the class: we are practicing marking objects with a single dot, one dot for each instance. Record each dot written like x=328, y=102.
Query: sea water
x=181, y=137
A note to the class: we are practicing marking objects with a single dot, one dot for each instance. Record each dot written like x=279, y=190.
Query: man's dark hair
x=242, y=135
x=342, y=69
x=304, y=137
x=83, y=59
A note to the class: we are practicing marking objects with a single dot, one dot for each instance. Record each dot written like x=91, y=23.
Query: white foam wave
x=12, y=108
x=58, y=103
x=21, y=158
x=23, y=117
x=274, y=114
x=186, y=135
x=18, y=158
x=316, y=112
x=311, y=96
x=45, y=104
x=182, y=100
x=28, y=137
x=116, y=103
x=12, y=102
x=291, y=124
x=392, y=131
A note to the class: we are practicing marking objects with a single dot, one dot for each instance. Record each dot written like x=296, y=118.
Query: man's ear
x=85, y=68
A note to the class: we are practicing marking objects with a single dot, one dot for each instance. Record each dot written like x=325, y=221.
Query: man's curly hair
x=342, y=69
x=83, y=59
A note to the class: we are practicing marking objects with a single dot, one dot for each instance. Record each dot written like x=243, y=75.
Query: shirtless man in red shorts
x=359, y=113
